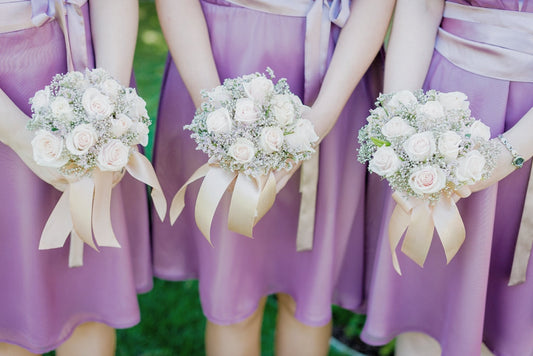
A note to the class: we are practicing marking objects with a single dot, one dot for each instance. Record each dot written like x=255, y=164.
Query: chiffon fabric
x=467, y=301
x=42, y=300
x=237, y=271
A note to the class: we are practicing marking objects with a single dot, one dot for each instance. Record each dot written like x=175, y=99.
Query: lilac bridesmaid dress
x=42, y=300
x=237, y=271
x=467, y=301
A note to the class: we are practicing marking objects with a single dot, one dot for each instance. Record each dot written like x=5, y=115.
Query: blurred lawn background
x=172, y=322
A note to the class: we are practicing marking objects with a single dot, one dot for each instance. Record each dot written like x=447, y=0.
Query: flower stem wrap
x=421, y=219
x=85, y=208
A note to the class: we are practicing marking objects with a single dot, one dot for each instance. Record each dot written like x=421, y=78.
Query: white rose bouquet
x=87, y=126
x=427, y=146
x=250, y=128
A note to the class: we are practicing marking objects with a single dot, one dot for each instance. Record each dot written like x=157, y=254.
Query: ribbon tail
x=81, y=206
x=102, y=227
x=215, y=183
x=243, y=206
x=178, y=202
x=308, y=188
x=419, y=234
x=449, y=226
x=75, y=256
x=59, y=224
x=397, y=224
x=267, y=198
x=141, y=169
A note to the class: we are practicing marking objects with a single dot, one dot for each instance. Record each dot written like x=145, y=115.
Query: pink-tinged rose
x=384, y=162
x=219, y=95
x=40, y=100
x=113, y=156
x=258, y=89
x=81, y=139
x=61, y=108
x=271, y=139
x=48, y=149
x=96, y=104
x=243, y=150
x=397, y=127
x=402, y=98
x=454, y=100
x=142, y=132
x=448, y=145
x=283, y=109
x=245, y=111
x=479, y=129
x=427, y=180
x=432, y=111
x=470, y=167
x=120, y=125
x=218, y=121
x=420, y=146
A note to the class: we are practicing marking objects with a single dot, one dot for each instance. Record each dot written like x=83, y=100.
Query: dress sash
x=501, y=42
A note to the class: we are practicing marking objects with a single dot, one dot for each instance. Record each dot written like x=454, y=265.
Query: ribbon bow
x=420, y=218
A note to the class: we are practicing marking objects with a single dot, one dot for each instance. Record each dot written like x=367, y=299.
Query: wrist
x=517, y=160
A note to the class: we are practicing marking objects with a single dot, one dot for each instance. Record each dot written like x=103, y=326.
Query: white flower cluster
x=251, y=125
x=426, y=144
x=87, y=120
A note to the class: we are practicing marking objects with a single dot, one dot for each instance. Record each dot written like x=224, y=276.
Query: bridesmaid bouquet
x=87, y=126
x=250, y=128
x=427, y=146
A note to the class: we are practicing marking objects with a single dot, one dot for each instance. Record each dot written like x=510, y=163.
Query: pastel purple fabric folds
x=41, y=299
x=238, y=271
x=467, y=301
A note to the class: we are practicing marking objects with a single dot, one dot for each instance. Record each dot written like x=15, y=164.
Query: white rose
x=454, y=100
x=113, y=156
x=449, y=145
x=379, y=112
x=47, y=149
x=283, y=109
x=120, y=125
x=305, y=128
x=142, y=133
x=385, y=161
x=136, y=106
x=218, y=121
x=470, y=167
x=61, y=108
x=245, y=111
x=271, y=139
x=397, y=127
x=40, y=100
x=432, y=110
x=219, y=95
x=402, y=98
x=420, y=146
x=96, y=104
x=243, y=150
x=427, y=180
x=479, y=129
x=111, y=87
x=81, y=139
x=258, y=89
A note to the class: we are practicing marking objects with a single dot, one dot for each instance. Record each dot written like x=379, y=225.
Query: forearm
x=114, y=32
x=357, y=46
x=186, y=33
x=411, y=44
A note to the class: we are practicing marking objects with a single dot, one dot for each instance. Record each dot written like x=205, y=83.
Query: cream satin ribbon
x=421, y=219
x=250, y=200
x=84, y=209
x=502, y=43
x=319, y=14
